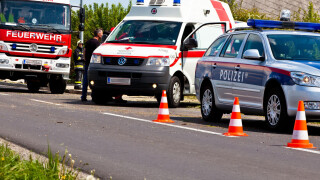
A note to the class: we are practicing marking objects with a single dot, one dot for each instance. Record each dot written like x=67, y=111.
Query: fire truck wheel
x=33, y=86
x=100, y=97
x=57, y=86
x=174, y=92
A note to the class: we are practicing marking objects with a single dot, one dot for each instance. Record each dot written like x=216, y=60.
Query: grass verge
x=13, y=167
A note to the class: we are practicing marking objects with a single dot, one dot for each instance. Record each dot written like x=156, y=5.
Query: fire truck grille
x=36, y=48
x=120, y=61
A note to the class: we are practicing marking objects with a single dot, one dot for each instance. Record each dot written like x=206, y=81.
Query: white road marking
x=305, y=150
x=164, y=124
x=36, y=100
x=3, y=94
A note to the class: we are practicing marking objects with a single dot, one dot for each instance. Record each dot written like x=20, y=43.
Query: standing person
x=90, y=46
x=78, y=64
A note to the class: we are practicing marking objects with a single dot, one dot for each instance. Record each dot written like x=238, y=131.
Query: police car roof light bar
x=257, y=23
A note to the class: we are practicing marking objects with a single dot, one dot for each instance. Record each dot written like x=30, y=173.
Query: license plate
x=119, y=81
x=32, y=62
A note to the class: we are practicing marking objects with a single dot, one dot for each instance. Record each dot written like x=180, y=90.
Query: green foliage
x=309, y=15
x=12, y=167
x=242, y=14
x=97, y=16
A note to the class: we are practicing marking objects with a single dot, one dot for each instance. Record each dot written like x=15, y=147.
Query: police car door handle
x=237, y=67
x=214, y=65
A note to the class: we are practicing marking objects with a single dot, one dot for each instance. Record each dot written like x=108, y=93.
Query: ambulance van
x=156, y=47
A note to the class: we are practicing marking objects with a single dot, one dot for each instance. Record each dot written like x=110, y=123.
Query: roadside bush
x=13, y=167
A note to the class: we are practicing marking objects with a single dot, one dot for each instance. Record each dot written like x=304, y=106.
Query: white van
x=156, y=47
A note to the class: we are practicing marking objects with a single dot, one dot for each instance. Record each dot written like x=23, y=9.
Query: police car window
x=254, y=42
x=295, y=47
x=232, y=47
x=216, y=46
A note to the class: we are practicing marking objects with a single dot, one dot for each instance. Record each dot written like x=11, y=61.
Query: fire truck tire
x=100, y=97
x=33, y=86
x=174, y=92
x=57, y=86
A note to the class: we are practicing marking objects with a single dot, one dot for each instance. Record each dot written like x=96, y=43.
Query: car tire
x=275, y=111
x=174, y=92
x=57, y=86
x=209, y=111
x=33, y=86
x=100, y=97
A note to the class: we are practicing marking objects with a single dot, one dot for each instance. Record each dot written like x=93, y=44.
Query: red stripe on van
x=223, y=16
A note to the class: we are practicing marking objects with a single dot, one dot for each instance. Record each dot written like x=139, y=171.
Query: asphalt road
x=120, y=140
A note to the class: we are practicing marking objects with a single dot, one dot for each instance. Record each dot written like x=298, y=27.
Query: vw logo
x=33, y=47
x=122, y=61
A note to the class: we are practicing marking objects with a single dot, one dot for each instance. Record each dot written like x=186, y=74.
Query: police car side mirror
x=190, y=43
x=252, y=54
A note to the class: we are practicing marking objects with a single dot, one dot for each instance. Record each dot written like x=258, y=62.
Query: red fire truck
x=35, y=42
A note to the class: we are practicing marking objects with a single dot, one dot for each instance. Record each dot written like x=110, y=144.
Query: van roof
x=54, y=1
x=201, y=11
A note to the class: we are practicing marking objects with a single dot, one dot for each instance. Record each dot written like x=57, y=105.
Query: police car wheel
x=33, y=86
x=276, y=110
x=100, y=97
x=209, y=111
x=174, y=92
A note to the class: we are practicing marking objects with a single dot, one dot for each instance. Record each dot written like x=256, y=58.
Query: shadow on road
x=136, y=104
x=248, y=125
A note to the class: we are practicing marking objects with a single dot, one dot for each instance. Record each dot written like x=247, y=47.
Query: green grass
x=13, y=167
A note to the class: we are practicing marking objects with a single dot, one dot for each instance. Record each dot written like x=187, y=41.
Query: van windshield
x=295, y=47
x=146, y=32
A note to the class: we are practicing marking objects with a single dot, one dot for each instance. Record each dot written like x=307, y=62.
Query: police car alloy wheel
x=207, y=102
x=209, y=111
x=276, y=111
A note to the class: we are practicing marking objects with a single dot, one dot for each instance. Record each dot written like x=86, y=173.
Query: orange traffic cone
x=300, y=137
x=163, y=115
x=235, y=126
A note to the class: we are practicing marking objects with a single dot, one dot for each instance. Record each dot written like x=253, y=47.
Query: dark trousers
x=78, y=80
x=85, y=83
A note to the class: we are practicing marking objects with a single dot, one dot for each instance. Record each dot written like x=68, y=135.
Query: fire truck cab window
x=35, y=14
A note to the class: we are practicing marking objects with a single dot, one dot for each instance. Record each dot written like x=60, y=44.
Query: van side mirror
x=190, y=43
x=252, y=54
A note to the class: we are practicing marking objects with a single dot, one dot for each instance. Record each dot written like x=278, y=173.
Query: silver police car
x=269, y=70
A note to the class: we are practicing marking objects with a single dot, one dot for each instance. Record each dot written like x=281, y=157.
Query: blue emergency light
x=140, y=2
x=257, y=23
x=52, y=49
x=14, y=46
x=176, y=2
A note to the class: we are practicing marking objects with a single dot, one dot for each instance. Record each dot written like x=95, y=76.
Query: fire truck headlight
x=3, y=47
x=305, y=79
x=158, y=62
x=63, y=51
x=95, y=58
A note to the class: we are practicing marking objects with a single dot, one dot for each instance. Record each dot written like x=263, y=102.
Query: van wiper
x=21, y=27
x=114, y=41
x=142, y=42
x=51, y=28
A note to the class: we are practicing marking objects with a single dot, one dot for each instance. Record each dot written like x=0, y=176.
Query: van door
x=201, y=38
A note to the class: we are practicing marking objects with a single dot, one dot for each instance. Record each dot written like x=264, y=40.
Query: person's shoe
x=84, y=100
x=77, y=87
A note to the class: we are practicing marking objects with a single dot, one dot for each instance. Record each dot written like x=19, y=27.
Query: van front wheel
x=174, y=92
